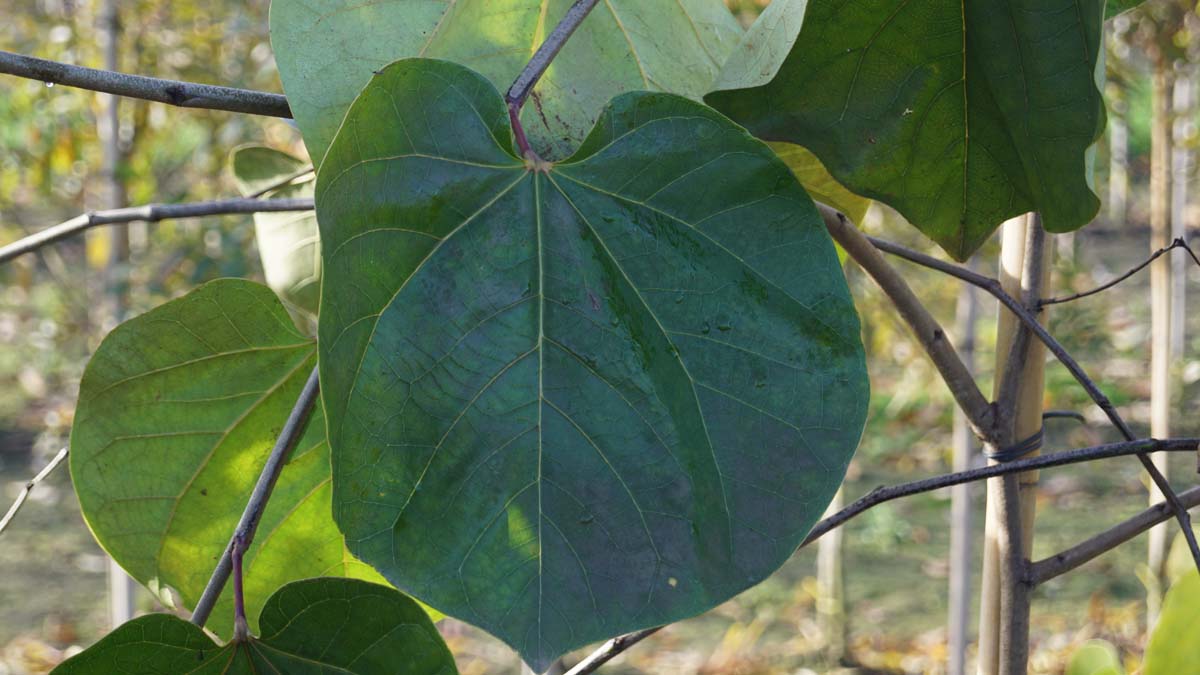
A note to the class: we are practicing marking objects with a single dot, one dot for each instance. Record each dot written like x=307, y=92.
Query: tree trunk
x=1008, y=535
x=960, y=495
x=831, y=592
x=121, y=598
x=1160, y=319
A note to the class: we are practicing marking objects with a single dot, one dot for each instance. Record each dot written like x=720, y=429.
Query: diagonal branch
x=24, y=494
x=150, y=213
x=979, y=412
x=1027, y=318
x=1060, y=563
x=171, y=92
x=293, y=429
x=880, y=495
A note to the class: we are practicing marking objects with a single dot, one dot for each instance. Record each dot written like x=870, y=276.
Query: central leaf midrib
x=666, y=336
x=537, y=204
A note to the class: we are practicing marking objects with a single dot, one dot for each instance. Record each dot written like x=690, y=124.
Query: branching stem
x=523, y=86
x=993, y=287
x=243, y=536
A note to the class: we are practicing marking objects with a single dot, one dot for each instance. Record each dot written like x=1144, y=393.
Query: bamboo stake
x=1160, y=319
x=958, y=623
x=831, y=597
x=1008, y=534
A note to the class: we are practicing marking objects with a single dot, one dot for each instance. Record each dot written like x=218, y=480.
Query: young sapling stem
x=241, y=628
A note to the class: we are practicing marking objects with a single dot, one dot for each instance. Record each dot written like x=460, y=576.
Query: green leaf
x=1174, y=647
x=958, y=115
x=568, y=401
x=178, y=410
x=327, y=50
x=1095, y=657
x=288, y=243
x=310, y=627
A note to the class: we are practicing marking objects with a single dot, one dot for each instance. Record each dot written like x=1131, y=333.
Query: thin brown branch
x=929, y=333
x=1026, y=317
x=881, y=495
x=149, y=213
x=171, y=92
x=1060, y=563
x=32, y=483
x=1178, y=243
x=243, y=535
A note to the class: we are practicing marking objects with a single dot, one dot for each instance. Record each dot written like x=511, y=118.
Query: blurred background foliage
x=52, y=574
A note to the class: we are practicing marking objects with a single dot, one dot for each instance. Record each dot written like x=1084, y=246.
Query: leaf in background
x=308, y=627
x=568, y=401
x=327, y=50
x=1095, y=657
x=288, y=243
x=1174, y=647
x=178, y=410
x=958, y=115
x=819, y=184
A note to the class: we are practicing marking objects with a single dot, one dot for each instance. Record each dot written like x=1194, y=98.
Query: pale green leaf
x=574, y=400
x=1174, y=647
x=178, y=410
x=327, y=50
x=288, y=243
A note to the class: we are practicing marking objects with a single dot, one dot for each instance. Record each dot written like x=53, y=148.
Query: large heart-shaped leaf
x=178, y=410
x=288, y=243
x=567, y=401
x=311, y=627
x=958, y=114
x=327, y=50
